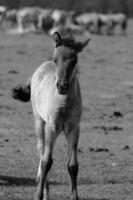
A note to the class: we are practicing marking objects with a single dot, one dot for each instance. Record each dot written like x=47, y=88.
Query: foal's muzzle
x=62, y=87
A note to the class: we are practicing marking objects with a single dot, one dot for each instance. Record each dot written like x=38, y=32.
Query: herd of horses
x=50, y=20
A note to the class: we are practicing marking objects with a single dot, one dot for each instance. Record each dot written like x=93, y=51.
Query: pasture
x=106, y=141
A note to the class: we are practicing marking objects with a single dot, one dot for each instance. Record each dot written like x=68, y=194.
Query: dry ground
x=106, y=141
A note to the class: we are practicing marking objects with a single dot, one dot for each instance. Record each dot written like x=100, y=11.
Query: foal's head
x=65, y=58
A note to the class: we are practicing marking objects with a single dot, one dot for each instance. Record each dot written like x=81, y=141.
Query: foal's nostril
x=62, y=86
x=65, y=86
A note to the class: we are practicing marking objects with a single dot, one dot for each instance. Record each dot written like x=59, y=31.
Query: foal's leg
x=39, y=127
x=72, y=139
x=45, y=163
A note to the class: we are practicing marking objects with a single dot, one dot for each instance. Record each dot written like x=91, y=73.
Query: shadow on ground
x=93, y=198
x=20, y=181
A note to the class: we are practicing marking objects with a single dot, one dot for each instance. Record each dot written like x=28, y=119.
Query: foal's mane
x=71, y=43
x=68, y=42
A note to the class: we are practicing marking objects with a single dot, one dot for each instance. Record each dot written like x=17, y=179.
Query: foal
x=57, y=107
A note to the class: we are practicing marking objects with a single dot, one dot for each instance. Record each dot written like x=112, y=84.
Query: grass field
x=106, y=141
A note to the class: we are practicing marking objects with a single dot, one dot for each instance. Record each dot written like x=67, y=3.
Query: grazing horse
x=90, y=21
x=120, y=19
x=106, y=24
x=57, y=107
x=65, y=23
x=11, y=16
x=28, y=16
x=45, y=20
x=59, y=16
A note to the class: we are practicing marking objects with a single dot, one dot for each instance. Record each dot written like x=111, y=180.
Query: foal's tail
x=22, y=92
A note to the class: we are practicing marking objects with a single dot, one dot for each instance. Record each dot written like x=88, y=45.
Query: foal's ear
x=57, y=39
x=81, y=45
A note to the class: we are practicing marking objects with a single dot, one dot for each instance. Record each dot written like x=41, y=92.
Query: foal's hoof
x=45, y=197
x=37, y=197
x=74, y=198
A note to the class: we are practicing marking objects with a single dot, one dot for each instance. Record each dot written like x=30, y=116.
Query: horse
x=90, y=21
x=120, y=19
x=59, y=16
x=65, y=23
x=55, y=95
x=28, y=16
x=45, y=20
x=106, y=24
x=11, y=17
